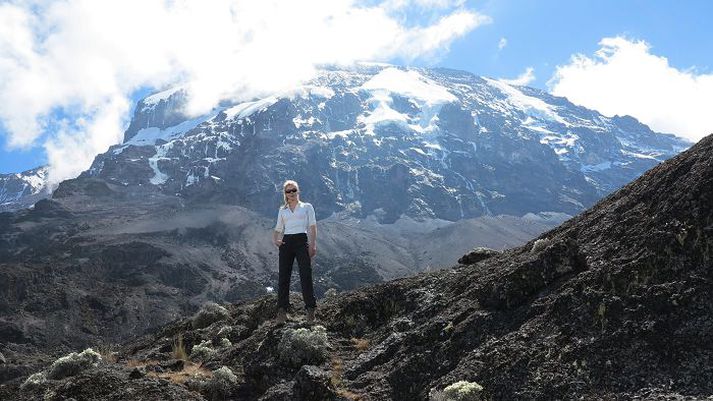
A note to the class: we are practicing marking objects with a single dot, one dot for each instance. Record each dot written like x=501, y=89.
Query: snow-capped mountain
x=388, y=141
x=20, y=190
x=182, y=211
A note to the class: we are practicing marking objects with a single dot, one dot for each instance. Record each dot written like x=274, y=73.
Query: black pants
x=295, y=245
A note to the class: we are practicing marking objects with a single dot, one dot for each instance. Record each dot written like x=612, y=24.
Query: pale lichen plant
x=303, y=346
x=65, y=366
x=459, y=391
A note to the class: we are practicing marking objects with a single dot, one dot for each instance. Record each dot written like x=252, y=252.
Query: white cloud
x=502, y=43
x=624, y=77
x=71, y=147
x=82, y=59
x=424, y=4
x=523, y=79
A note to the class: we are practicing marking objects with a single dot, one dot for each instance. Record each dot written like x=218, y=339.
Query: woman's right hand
x=278, y=242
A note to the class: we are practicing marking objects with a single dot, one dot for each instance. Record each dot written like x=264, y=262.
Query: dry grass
x=190, y=371
x=179, y=349
x=107, y=353
x=337, y=370
x=361, y=344
x=336, y=380
x=349, y=395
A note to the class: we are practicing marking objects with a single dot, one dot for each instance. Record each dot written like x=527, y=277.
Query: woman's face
x=291, y=192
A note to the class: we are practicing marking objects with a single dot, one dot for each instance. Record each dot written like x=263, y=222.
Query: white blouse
x=295, y=222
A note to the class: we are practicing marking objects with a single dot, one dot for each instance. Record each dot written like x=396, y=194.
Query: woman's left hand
x=312, y=250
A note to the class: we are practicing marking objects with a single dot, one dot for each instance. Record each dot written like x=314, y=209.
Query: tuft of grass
x=338, y=383
x=179, y=349
x=107, y=353
x=361, y=344
x=190, y=371
x=349, y=395
x=337, y=370
x=449, y=328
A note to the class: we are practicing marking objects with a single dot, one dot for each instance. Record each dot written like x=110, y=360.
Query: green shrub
x=331, y=295
x=66, y=366
x=73, y=364
x=203, y=351
x=304, y=346
x=222, y=383
x=540, y=245
x=36, y=379
x=209, y=314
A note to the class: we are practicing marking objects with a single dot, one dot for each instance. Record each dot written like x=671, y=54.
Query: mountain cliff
x=22, y=190
x=613, y=304
x=388, y=141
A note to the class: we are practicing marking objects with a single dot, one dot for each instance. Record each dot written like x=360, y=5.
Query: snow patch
x=424, y=93
x=638, y=155
x=299, y=121
x=36, y=181
x=159, y=177
x=248, y=108
x=149, y=136
x=156, y=98
x=533, y=106
x=310, y=90
x=588, y=168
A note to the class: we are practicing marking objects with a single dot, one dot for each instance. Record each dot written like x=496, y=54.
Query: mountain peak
x=610, y=305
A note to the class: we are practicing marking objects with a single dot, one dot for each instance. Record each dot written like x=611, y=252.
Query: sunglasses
x=290, y=191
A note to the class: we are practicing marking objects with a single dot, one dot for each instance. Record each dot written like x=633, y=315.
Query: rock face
x=388, y=142
x=99, y=264
x=22, y=190
x=410, y=165
x=408, y=168
x=612, y=306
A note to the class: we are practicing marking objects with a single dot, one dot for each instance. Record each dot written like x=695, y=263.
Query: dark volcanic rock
x=614, y=308
x=476, y=255
x=180, y=214
x=313, y=383
x=104, y=384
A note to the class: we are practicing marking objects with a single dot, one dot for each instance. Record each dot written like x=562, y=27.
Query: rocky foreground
x=614, y=304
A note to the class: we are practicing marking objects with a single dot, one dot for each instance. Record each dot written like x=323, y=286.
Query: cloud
x=523, y=79
x=423, y=4
x=624, y=77
x=69, y=68
x=502, y=43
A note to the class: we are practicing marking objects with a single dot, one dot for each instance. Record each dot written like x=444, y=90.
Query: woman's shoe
x=310, y=315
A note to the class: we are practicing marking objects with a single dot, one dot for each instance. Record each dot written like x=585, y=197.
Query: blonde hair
x=284, y=186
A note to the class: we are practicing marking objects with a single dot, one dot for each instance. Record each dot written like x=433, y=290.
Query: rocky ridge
x=613, y=305
x=98, y=266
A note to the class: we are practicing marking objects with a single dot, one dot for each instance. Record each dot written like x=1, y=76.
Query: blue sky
x=540, y=35
x=544, y=33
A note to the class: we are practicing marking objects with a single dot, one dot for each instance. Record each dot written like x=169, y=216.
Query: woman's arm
x=312, y=240
x=276, y=238
x=279, y=229
x=312, y=223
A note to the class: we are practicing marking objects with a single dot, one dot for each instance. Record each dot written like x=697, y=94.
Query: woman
x=295, y=218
